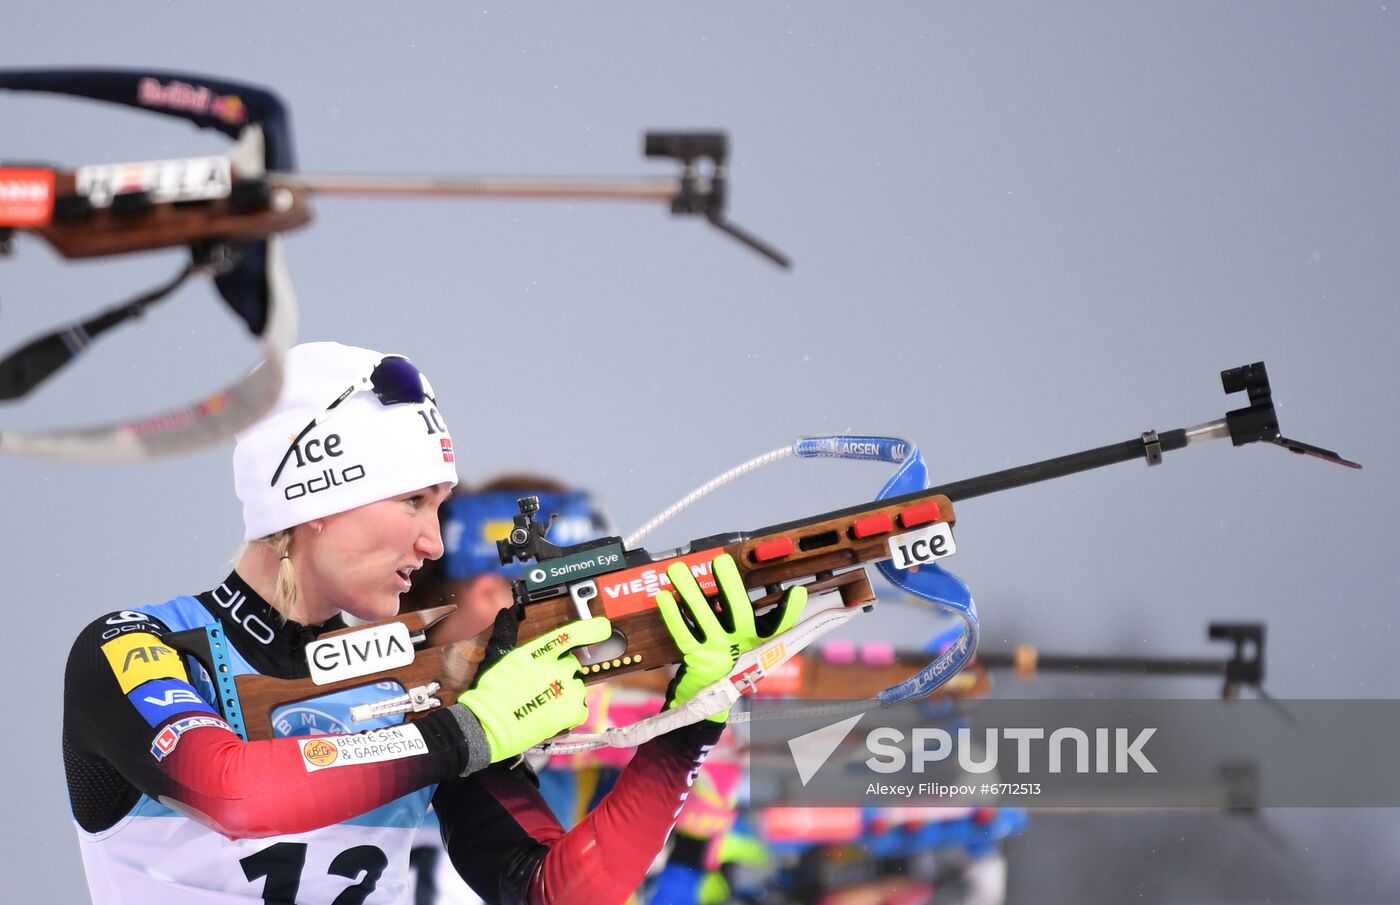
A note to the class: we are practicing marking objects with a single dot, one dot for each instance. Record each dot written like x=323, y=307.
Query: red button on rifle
x=776, y=548
x=920, y=515
x=872, y=525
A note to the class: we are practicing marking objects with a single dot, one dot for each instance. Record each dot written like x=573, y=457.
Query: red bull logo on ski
x=177, y=95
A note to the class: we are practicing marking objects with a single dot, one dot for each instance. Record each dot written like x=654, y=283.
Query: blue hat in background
x=473, y=522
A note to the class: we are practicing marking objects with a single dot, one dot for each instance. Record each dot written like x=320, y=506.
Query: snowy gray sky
x=1020, y=230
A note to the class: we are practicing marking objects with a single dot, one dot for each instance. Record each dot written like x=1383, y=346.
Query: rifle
x=839, y=670
x=826, y=552
x=119, y=208
x=1244, y=668
x=230, y=211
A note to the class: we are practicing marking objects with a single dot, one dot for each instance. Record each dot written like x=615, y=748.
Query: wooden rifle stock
x=255, y=209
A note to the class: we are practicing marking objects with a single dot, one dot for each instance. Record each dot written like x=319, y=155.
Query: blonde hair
x=285, y=596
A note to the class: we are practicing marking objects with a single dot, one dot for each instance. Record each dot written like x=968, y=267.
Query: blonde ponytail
x=285, y=596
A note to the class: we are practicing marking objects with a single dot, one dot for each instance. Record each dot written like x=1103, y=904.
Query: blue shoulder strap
x=930, y=583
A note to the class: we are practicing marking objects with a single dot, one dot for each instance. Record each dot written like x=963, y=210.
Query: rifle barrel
x=1058, y=467
x=1032, y=473
x=1030, y=660
x=448, y=186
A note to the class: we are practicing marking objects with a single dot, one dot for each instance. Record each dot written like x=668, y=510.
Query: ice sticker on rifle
x=633, y=590
x=572, y=567
x=360, y=653
x=188, y=179
x=923, y=546
x=374, y=746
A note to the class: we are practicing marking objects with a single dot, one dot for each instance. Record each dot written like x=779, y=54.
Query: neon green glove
x=709, y=657
x=533, y=692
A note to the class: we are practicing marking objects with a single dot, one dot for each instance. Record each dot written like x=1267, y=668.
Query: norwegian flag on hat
x=447, y=454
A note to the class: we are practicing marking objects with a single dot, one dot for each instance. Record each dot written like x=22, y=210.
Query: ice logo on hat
x=315, y=451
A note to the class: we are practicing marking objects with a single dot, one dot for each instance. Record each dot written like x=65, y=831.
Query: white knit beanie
x=364, y=450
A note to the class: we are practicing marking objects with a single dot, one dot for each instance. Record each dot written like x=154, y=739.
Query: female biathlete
x=340, y=487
